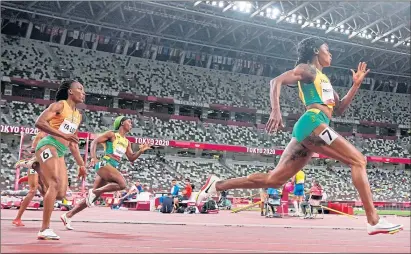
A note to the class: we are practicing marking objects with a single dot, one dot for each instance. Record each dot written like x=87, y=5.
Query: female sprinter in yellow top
x=312, y=133
x=61, y=121
x=109, y=178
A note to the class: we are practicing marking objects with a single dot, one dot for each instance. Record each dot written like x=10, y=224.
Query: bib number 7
x=328, y=135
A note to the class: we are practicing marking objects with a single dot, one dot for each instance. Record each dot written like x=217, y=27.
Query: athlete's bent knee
x=54, y=183
x=122, y=184
x=359, y=161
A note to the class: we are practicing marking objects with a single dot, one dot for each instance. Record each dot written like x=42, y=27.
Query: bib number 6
x=46, y=154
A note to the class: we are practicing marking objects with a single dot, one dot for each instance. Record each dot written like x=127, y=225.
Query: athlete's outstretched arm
x=109, y=135
x=302, y=72
x=358, y=77
x=133, y=156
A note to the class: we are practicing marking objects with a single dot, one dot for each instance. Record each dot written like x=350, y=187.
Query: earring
x=316, y=51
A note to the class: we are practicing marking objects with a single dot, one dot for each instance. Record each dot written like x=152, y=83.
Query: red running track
x=100, y=230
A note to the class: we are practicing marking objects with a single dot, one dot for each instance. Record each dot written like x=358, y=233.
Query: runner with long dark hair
x=311, y=133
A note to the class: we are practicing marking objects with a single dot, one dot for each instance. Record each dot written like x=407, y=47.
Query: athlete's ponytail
x=62, y=92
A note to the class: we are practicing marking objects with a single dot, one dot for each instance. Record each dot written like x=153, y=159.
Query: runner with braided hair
x=60, y=121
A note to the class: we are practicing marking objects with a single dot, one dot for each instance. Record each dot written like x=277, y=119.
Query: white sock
x=295, y=203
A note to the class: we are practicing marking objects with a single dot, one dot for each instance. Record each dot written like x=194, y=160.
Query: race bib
x=68, y=127
x=119, y=151
x=46, y=154
x=327, y=93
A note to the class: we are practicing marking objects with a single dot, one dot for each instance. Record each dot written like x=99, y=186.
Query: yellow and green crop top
x=116, y=148
x=320, y=91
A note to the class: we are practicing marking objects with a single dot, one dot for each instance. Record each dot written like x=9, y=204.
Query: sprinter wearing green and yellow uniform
x=109, y=178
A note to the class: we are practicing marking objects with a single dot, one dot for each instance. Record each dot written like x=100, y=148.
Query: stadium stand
x=182, y=82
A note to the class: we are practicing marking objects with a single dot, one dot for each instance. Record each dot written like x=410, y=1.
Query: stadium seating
x=28, y=59
x=112, y=72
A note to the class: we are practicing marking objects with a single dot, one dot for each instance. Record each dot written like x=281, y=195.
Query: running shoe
x=26, y=163
x=90, y=198
x=207, y=190
x=66, y=221
x=17, y=223
x=383, y=227
x=47, y=234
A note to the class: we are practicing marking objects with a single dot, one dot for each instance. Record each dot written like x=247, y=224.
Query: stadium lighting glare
x=369, y=36
x=347, y=31
x=393, y=36
x=324, y=27
x=318, y=25
x=268, y=10
x=365, y=31
x=221, y=4
x=392, y=40
x=287, y=19
x=300, y=21
x=300, y=17
x=293, y=20
x=242, y=5
x=275, y=12
x=214, y=3
x=341, y=30
x=342, y=26
x=294, y=16
x=262, y=13
x=408, y=44
x=318, y=21
x=311, y=24
x=336, y=29
x=386, y=39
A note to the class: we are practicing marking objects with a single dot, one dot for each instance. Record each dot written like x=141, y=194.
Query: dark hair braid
x=62, y=92
x=305, y=49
